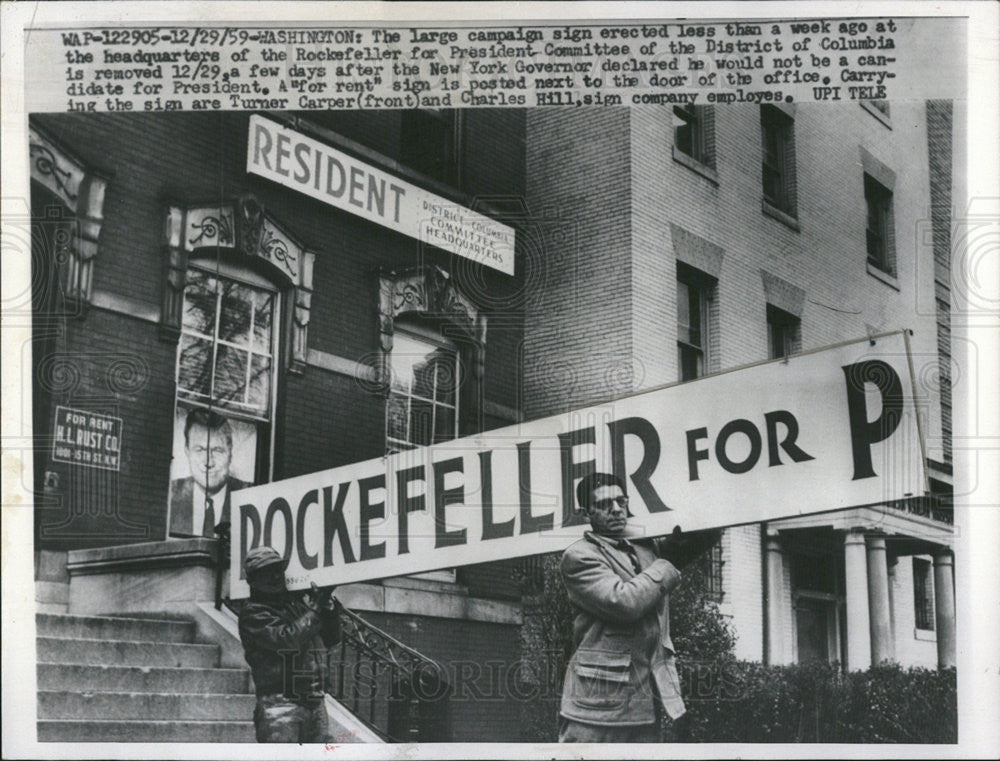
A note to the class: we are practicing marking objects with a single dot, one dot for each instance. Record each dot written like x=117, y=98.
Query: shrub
x=817, y=703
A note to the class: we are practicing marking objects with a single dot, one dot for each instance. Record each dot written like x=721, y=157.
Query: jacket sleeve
x=596, y=588
x=267, y=630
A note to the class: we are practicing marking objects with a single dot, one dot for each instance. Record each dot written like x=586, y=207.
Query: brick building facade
x=710, y=238
x=654, y=246
x=116, y=294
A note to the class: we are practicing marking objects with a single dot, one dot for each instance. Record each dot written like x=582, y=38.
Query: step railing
x=392, y=688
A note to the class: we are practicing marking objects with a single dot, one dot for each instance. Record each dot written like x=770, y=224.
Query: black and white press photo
x=461, y=386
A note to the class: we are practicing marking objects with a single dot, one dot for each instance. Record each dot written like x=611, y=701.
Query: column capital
x=854, y=536
x=875, y=541
x=944, y=556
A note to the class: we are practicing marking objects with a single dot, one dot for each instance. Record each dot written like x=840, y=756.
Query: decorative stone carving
x=243, y=229
x=82, y=190
x=428, y=291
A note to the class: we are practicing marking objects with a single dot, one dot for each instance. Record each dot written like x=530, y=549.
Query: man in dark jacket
x=622, y=673
x=285, y=638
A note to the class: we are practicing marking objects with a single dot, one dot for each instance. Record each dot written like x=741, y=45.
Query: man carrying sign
x=622, y=673
x=284, y=640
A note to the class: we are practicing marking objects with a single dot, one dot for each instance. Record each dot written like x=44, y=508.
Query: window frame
x=420, y=333
x=790, y=326
x=923, y=595
x=712, y=565
x=703, y=286
x=880, y=199
x=414, y=125
x=264, y=467
x=779, y=127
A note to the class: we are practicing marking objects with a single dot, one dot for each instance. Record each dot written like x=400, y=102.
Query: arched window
x=433, y=349
x=231, y=273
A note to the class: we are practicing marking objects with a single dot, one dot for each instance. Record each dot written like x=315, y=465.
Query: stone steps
x=114, y=628
x=143, y=705
x=135, y=679
x=75, y=650
x=71, y=730
x=101, y=678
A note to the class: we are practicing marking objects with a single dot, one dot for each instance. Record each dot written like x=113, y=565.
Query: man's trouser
x=280, y=720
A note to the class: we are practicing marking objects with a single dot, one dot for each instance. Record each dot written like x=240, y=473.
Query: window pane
x=447, y=380
x=230, y=374
x=407, y=360
x=396, y=417
x=683, y=312
x=260, y=383
x=234, y=317
x=690, y=362
x=421, y=422
x=684, y=128
x=772, y=184
x=199, y=303
x=194, y=366
x=262, y=316
x=444, y=424
x=423, y=377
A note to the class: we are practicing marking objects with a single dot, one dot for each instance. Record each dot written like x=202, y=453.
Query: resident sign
x=821, y=431
x=316, y=169
x=87, y=438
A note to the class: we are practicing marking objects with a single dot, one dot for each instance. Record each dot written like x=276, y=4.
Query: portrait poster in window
x=213, y=456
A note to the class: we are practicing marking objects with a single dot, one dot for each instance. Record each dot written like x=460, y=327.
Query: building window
x=694, y=292
x=783, y=333
x=430, y=142
x=711, y=568
x=422, y=407
x=778, y=159
x=694, y=133
x=923, y=594
x=225, y=396
x=878, y=231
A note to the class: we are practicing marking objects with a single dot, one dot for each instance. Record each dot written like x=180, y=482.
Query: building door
x=817, y=583
x=814, y=628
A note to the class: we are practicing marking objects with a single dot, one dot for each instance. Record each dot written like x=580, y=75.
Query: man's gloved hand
x=682, y=548
x=320, y=600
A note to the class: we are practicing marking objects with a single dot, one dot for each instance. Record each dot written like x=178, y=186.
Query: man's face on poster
x=210, y=454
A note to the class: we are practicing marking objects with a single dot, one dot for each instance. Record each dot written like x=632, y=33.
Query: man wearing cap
x=622, y=674
x=285, y=638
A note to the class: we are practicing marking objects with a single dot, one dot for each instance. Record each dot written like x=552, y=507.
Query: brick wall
x=323, y=419
x=608, y=311
x=577, y=334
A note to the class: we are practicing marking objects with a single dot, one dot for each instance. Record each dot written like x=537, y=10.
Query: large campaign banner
x=819, y=431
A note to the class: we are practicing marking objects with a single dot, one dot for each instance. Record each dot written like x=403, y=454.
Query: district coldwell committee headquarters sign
x=825, y=430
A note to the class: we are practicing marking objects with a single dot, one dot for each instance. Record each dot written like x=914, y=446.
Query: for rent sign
x=334, y=177
x=821, y=431
x=87, y=438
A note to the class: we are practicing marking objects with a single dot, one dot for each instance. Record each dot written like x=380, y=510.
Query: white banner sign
x=334, y=177
x=821, y=431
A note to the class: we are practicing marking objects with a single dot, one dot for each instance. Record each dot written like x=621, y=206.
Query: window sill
x=926, y=635
x=876, y=113
x=696, y=166
x=882, y=275
x=782, y=216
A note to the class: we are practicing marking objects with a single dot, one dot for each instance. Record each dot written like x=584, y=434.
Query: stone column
x=878, y=600
x=859, y=654
x=944, y=607
x=776, y=648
